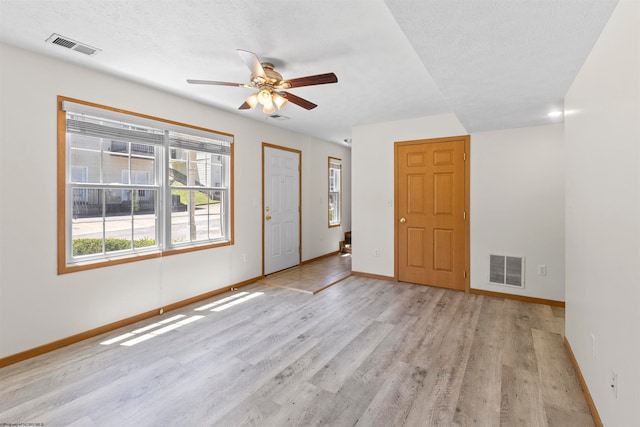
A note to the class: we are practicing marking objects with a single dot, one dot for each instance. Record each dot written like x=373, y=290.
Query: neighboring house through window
x=137, y=187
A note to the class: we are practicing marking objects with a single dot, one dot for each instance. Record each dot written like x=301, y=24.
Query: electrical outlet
x=376, y=252
x=244, y=257
x=614, y=383
x=542, y=270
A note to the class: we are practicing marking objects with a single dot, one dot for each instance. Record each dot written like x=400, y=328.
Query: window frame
x=334, y=161
x=163, y=208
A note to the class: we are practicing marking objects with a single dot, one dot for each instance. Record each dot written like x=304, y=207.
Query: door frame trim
x=299, y=152
x=467, y=188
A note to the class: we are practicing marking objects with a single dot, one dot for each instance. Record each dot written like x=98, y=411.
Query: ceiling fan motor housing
x=274, y=78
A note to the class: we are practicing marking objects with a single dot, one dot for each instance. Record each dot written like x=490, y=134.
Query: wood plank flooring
x=363, y=352
x=313, y=277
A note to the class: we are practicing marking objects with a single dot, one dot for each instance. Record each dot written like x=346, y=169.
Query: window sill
x=83, y=266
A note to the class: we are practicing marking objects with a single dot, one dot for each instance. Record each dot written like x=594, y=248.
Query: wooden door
x=281, y=208
x=431, y=234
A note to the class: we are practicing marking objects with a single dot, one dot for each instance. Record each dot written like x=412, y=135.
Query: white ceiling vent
x=279, y=117
x=506, y=270
x=72, y=44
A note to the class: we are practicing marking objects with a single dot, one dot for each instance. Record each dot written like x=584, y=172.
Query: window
x=335, y=191
x=134, y=187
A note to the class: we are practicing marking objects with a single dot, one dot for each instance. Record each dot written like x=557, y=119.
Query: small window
x=134, y=187
x=335, y=191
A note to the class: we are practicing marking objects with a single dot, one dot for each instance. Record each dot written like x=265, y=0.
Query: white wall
x=373, y=185
x=517, y=206
x=315, y=161
x=36, y=305
x=517, y=198
x=602, y=130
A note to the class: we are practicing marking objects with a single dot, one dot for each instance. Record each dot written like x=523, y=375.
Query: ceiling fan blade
x=253, y=63
x=244, y=106
x=212, y=82
x=319, y=79
x=307, y=105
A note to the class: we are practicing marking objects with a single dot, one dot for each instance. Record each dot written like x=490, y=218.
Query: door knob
x=268, y=217
x=403, y=220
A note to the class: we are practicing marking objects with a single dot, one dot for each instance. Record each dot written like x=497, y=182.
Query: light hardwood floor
x=312, y=277
x=362, y=352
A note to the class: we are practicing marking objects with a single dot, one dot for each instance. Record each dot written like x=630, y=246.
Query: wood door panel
x=430, y=196
x=443, y=193
x=415, y=191
x=415, y=159
x=442, y=157
x=443, y=259
x=415, y=247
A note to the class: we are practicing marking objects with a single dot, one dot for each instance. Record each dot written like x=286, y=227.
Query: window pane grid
x=197, y=215
x=335, y=188
x=114, y=184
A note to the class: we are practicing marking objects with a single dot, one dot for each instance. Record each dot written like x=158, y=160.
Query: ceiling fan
x=270, y=84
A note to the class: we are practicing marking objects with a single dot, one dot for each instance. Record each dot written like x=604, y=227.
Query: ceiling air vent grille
x=279, y=117
x=72, y=44
x=64, y=42
x=506, y=270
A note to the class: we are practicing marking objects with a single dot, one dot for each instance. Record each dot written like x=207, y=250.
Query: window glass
x=115, y=180
x=335, y=191
x=198, y=193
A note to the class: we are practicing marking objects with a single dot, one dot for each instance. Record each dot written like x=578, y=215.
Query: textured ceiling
x=502, y=64
x=494, y=63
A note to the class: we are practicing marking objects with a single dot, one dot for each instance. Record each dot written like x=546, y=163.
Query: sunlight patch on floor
x=222, y=301
x=174, y=322
x=237, y=301
x=161, y=331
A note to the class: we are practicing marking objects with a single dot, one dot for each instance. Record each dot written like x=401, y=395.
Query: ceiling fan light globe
x=279, y=100
x=264, y=97
x=252, y=100
x=269, y=109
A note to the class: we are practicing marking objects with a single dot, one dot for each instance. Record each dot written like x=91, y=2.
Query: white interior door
x=281, y=215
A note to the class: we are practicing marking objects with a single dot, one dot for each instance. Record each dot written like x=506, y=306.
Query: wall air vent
x=72, y=44
x=506, y=270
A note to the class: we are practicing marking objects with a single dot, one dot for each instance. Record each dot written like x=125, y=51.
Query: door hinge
x=465, y=274
x=464, y=155
x=464, y=215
